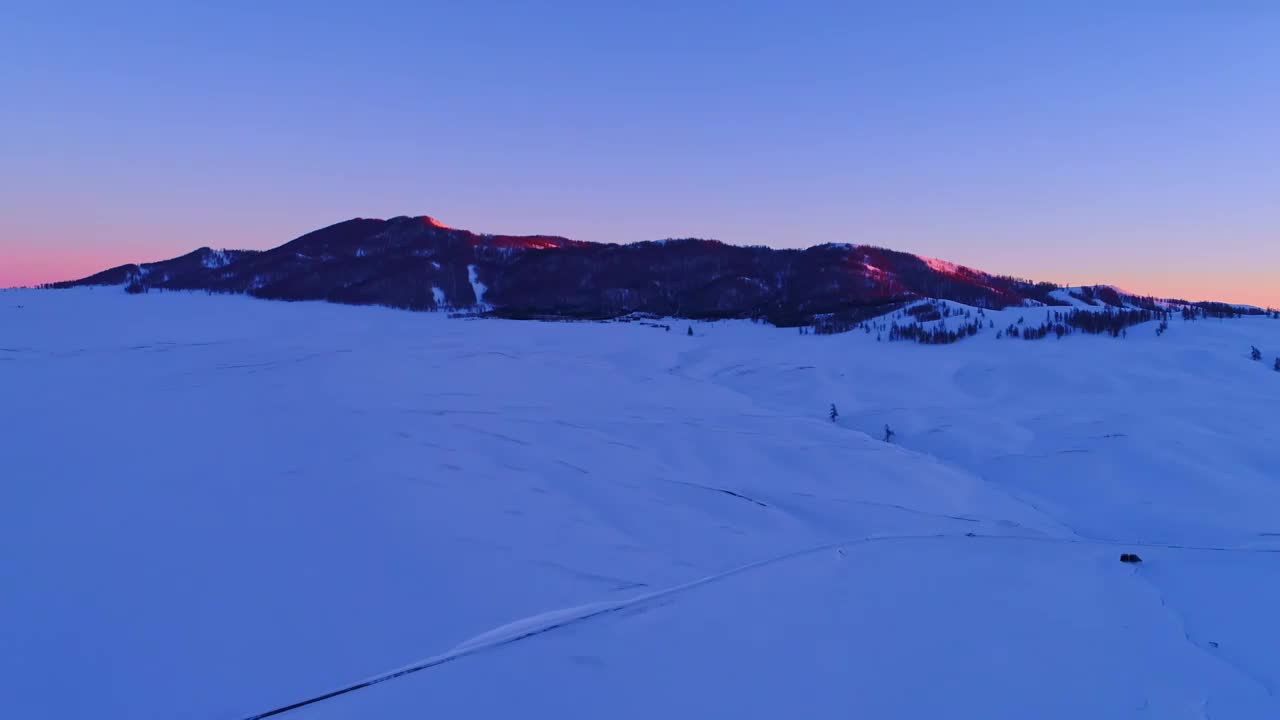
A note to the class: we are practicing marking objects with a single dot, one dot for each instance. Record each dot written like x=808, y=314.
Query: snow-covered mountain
x=214, y=508
x=419, y=263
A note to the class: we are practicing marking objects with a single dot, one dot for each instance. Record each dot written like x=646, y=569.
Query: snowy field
x=216, y=506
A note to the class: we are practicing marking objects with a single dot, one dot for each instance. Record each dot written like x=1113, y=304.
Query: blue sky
x=1073, y=142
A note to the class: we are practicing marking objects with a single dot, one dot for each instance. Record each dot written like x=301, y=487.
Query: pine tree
x=690, y=333
x=834, y=413
x=1256, y=354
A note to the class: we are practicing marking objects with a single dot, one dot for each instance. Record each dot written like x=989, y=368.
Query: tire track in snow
x=1180, y=619
x=547, y=622
x=731, y=493
x=539, y=624
x=1107, y=542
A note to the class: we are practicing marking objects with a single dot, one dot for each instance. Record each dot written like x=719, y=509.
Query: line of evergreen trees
x=940, y=335
x=970, y=323
x=912, y=323
x=1058, y=323
x=1111, y=322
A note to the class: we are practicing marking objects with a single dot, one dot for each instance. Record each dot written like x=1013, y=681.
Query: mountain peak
x=418, y=262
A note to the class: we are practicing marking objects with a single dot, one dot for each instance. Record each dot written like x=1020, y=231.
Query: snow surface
x=477, y=287
x=1064, y=295
x=216, y=506
x=215, y=259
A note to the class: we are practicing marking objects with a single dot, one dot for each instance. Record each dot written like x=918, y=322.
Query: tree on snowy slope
x=834, y=414
x=1256, y=354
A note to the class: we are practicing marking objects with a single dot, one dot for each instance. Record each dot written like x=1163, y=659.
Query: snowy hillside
x=217, y=506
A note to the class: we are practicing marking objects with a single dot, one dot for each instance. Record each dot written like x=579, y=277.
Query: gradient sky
x=1065, y=141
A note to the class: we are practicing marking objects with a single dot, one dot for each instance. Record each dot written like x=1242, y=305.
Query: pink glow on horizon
x=37, y=266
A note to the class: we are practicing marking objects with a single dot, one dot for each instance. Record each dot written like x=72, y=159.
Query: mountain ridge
x=419, y=263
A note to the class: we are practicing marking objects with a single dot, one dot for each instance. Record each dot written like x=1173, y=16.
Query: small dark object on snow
x=888, y=434
x=690, y=331
x=1129, y=558
x=1213, y=644
x=970, y=535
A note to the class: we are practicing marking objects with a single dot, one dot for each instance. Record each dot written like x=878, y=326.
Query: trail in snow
x=1207, y=648
x=546, y=622
x=535, y=625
